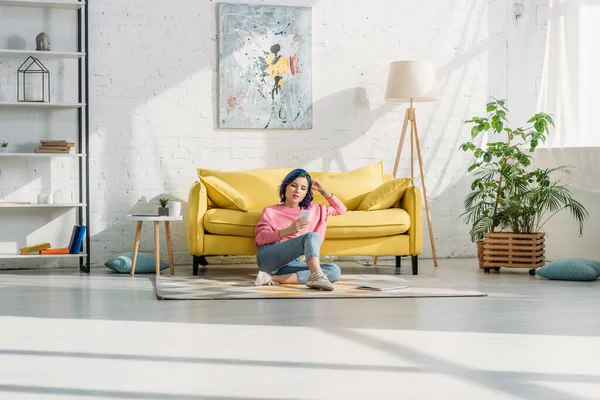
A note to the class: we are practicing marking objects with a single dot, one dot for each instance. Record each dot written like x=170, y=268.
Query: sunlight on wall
x=571, y=81
x=590, y=78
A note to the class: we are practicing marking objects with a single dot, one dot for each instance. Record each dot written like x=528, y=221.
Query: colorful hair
x=297, y=173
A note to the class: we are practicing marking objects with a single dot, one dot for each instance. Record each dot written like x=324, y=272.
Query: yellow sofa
x=224, y=207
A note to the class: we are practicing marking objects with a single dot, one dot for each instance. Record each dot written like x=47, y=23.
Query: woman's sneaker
x=319, y=281
x=263, y=279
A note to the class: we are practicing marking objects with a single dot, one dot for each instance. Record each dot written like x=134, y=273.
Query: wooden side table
x=157, y=220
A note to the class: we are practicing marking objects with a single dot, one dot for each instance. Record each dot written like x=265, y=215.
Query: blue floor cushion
x=145, y=263
x=571, y=269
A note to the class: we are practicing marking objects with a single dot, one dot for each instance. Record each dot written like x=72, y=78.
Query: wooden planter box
x=513, y=250
x=480, y=252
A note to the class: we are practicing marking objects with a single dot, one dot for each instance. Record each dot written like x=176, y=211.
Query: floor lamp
x=408, y=82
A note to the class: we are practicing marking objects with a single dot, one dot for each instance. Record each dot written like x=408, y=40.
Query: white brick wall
x=526, y=39
x=154, y=85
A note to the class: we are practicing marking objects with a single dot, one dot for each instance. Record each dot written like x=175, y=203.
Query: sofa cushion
x=231, y=222
x=385, y=195
x=259, y=187
x=350, y=187
x=365, y=224
x=353, y=224
x=222, y=194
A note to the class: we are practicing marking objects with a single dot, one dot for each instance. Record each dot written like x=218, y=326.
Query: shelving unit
x=40, y=104
x=66, y=4
x=44, y=155
x=23, y=257
x=62, y=205
x=80, y=107
x=41, y=54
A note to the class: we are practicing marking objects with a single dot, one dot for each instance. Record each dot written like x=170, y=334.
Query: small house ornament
x=33, y=81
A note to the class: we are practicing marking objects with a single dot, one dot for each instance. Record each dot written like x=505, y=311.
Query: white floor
x=65, y=334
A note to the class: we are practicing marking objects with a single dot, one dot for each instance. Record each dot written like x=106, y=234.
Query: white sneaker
x=319, y=281
x=263, y=279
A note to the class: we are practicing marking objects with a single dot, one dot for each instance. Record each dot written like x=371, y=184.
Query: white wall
x=526, y=42
x=154, y=85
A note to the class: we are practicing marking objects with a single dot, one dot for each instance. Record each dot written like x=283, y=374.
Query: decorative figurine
x=42, y=42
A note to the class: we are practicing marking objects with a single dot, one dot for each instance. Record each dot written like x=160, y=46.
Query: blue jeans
x=283, y=258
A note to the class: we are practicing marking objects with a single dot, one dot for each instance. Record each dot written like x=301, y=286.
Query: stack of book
x=55, y=146
x=75, y=244
x=36, y=248
x=43, y=248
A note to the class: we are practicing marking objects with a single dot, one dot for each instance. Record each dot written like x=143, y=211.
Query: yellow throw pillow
x=259, y=187
x=222, y=194
x=350, y=187
x=384, y=196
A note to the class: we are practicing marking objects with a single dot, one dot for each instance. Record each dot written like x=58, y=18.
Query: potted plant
x=508, y=194
x=163, y=202
x=4, y=147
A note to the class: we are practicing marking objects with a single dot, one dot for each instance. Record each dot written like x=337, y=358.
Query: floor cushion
x=570, y=269
x=144, y=264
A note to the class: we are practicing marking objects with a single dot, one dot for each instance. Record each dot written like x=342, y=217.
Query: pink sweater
x=277, y=217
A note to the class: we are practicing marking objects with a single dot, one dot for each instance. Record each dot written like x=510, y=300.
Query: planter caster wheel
x=532, y=272
x=486, y=270
x=496, y=269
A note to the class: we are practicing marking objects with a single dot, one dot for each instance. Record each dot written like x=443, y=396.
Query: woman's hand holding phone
x=304, y=214
x=294, y=227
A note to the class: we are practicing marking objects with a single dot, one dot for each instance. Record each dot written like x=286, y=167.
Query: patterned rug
x=242, y=287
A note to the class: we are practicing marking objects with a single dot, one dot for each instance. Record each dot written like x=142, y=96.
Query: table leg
x=136, y=245
x=157, y=246
x=169, y=246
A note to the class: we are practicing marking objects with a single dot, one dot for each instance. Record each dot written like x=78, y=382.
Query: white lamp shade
x=411, y=80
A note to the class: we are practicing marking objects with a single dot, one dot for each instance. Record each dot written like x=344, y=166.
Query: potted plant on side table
x=163, y=202
x=510, y=201
x=4, y=147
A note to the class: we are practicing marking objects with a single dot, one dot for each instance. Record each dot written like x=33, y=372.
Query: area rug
x=242, y=287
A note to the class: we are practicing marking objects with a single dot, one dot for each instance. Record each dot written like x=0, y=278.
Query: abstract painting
x=265, y=67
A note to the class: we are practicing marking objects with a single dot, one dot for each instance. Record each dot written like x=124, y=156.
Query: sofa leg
x=414, y=260
x=199, y=260
x=398, y=264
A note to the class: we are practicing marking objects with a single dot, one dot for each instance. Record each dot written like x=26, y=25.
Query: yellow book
x=35, y=248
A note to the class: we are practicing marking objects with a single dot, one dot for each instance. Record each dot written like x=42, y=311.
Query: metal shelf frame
x=82, y=109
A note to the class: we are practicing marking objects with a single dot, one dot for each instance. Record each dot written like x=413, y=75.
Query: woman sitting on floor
x=282, y=236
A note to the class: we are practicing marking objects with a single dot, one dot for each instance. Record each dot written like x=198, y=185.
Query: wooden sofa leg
x=414, y=260
x=199, y=260
x=398, y=264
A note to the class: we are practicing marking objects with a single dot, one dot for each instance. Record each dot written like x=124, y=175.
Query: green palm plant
x=506, y=192
x=530, y=209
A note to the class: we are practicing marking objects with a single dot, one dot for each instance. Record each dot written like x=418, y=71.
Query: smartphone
x=304, y=215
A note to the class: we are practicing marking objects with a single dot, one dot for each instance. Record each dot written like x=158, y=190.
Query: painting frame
x=265, y=66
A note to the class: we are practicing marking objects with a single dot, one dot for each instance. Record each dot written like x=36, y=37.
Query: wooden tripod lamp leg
x=402, y=135
x=416, y=136
x=408, y=115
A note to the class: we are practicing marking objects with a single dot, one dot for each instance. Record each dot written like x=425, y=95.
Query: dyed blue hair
x=297, y=173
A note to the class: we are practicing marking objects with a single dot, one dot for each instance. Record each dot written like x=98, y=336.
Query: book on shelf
x=55, y=146
x=35, y=248
x=57, y=150
x=57, y=250
x=76, y=242
x=56, y=143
